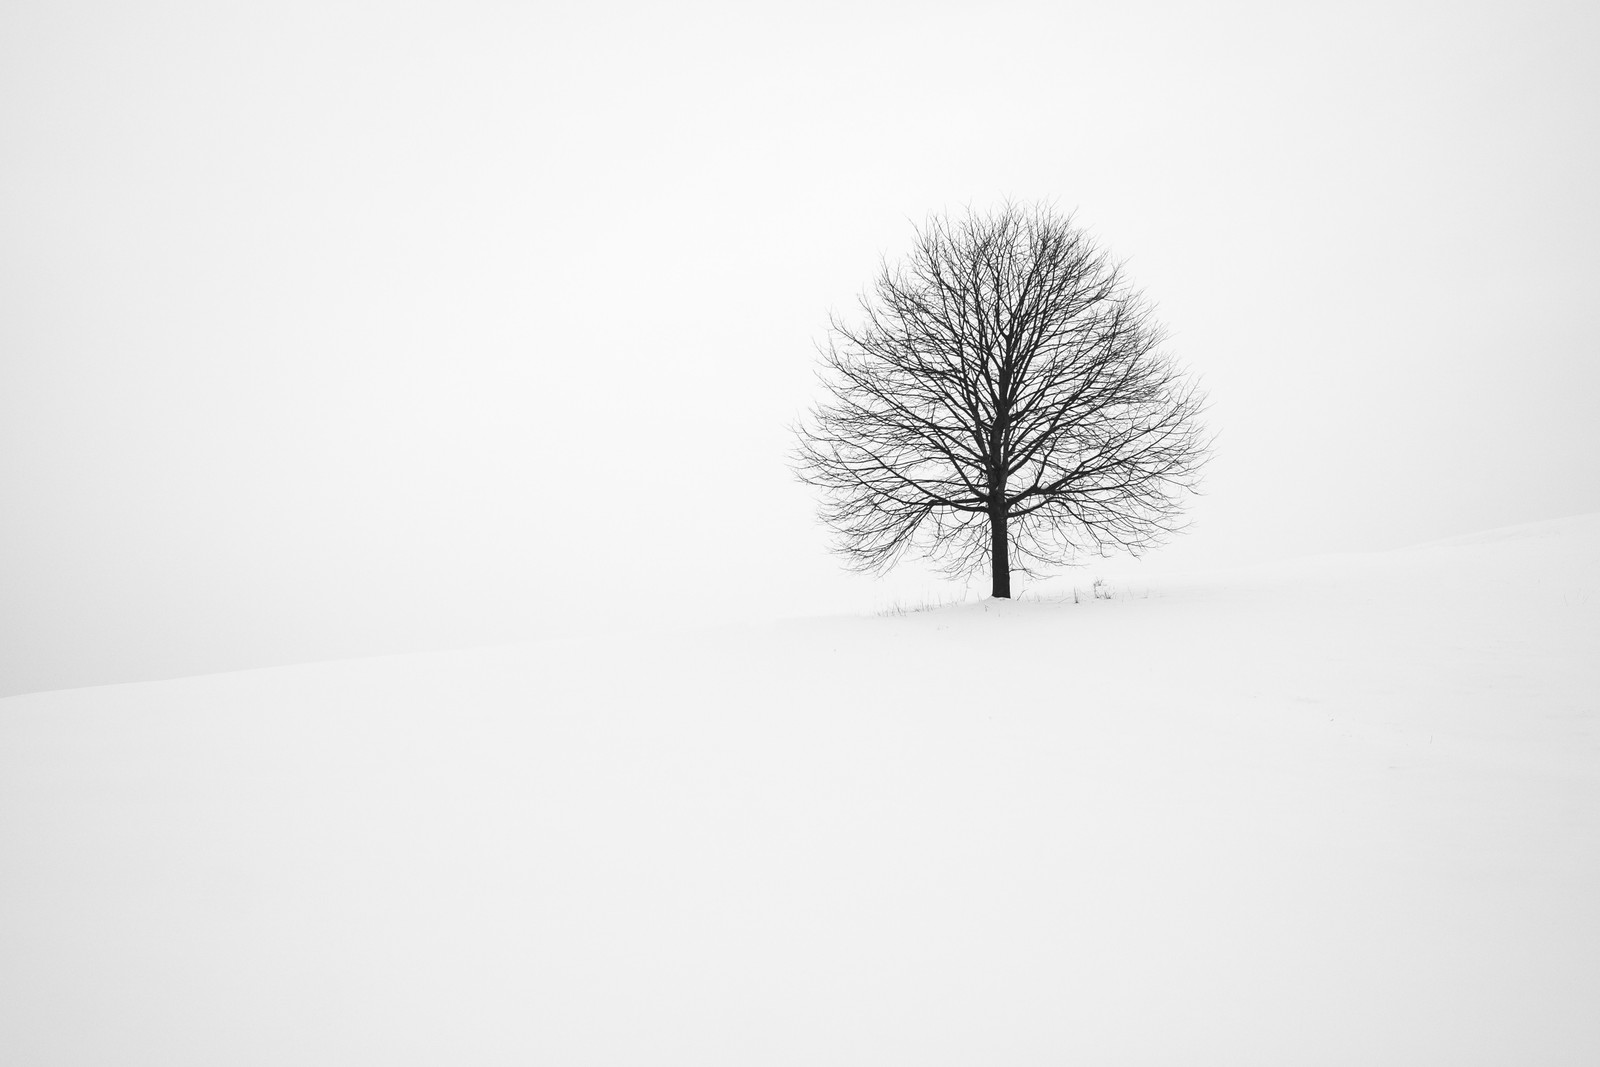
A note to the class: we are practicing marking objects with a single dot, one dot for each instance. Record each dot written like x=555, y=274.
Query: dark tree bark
x=999, y=557
x=1004, y=399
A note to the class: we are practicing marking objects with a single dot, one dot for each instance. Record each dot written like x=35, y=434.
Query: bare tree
x=1004, y=399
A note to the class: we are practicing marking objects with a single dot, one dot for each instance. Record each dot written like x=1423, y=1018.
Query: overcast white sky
x=334, y=328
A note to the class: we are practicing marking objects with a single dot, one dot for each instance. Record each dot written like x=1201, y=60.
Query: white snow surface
x=1339, y=811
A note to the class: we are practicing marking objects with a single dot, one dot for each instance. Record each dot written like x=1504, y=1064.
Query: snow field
x=1345, y=810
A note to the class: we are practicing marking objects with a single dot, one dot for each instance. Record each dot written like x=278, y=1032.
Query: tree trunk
x=999, y=555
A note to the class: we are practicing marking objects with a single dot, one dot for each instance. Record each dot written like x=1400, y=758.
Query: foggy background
x=329, y=329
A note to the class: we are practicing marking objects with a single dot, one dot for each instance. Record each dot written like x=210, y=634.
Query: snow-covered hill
x=1340, y=811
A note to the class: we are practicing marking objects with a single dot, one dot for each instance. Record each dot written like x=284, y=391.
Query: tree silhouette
x=1003, y=399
